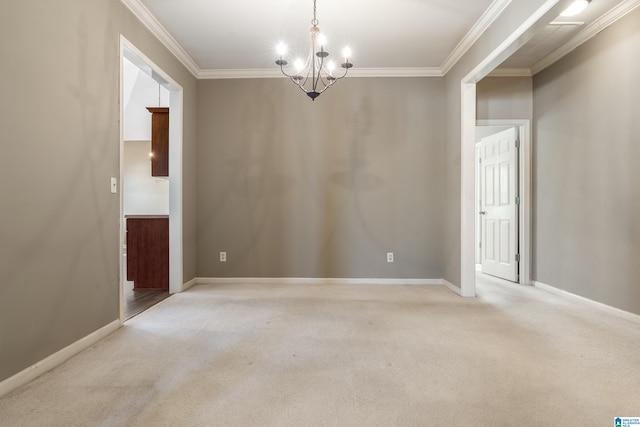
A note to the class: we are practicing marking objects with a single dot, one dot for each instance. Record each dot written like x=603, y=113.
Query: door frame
x=540, y=17
x=524, y=190
x=131, y=52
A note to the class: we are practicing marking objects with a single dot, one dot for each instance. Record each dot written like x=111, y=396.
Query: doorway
x=503, y=192
x=143, y=195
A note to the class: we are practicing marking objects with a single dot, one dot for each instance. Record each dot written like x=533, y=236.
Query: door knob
x=483, y=213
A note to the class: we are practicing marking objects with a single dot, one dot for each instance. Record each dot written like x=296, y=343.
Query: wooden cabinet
x=159, y=141
x=148, y=252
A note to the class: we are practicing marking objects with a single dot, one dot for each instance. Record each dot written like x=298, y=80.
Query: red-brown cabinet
x=148, y=252
x=159, y=141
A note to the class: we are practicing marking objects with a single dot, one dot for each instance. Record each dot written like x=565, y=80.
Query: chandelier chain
x=314, y=21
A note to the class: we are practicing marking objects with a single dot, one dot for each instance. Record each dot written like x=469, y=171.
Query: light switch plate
x=114, y=185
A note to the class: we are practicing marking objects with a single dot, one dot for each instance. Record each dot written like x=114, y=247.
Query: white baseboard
x=456, y=290
x=315, y=281
x=613, y=310
x=189, y=284
x=56, y=359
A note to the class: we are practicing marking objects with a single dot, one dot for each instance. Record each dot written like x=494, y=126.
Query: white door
x=499, y=210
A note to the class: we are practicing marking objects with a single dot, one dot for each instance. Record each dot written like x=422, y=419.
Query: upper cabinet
x=159, y=141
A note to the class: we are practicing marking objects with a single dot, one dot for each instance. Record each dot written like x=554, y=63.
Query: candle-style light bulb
x=281, y=49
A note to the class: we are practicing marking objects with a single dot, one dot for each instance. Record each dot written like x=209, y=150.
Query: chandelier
x=318, y=73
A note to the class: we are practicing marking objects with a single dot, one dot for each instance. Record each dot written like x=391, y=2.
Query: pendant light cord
x=314, y=21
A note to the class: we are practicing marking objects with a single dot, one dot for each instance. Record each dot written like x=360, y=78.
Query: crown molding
x=148, y=20
x=510, y=72
x=485, y=21
x=617, y=12
x=397, y=72
x=249, y=73
x=264, y=73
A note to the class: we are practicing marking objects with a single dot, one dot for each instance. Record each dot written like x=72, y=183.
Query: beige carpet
x=303, y=355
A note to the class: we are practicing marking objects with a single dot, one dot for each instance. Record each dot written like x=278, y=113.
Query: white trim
x=315, y=281
x=525, y=183
x=56, y=359
x=191, y=283
x=396, y=72
x=453, y=288
x=266, y=73
x=498, y=54
x=176, y=226
x=257, y=73
x=511, y=72
x=468, y=191
x=488, y=17
x=121, y=225
x=148, y=20
x=617, y=12
x=633, y=317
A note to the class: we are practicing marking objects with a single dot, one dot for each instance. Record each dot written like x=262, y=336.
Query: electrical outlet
x=223, y=257
x=389, y=256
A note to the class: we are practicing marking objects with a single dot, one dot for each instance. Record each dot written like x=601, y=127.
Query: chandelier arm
x=327, y=85
x=344, y=74
x=301, y=82
x=323, y=89
x=313, y=76
x=285, y=73
x=301, y=87
x=319, y=77
x=291, y=76
x=311, y=71
x=323, y=80
x=304, y=81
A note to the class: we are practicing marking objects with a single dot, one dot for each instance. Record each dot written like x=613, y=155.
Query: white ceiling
x=218, y=38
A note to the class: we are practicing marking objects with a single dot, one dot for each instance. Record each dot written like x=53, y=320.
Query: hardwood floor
x=135, y=302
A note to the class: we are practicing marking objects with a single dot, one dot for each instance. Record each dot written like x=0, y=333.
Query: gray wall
x=59, y=130
x=294, y=188
x=586, y=186
x=504, y=98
